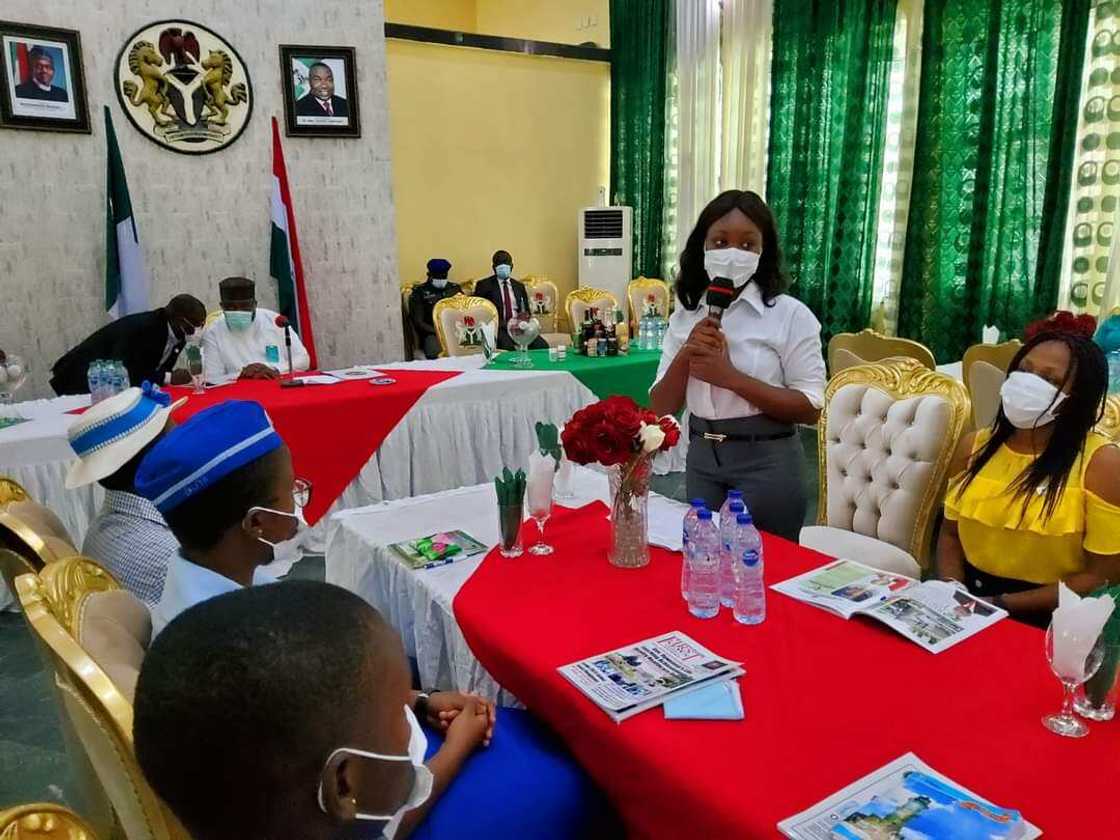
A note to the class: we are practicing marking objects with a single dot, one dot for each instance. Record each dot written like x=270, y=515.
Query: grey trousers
x=769, y=472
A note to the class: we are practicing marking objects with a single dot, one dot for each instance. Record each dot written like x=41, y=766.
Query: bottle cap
x=698, y=503
x=704, y=513
x=737, y=506
x=735, y=494
x=744, y=518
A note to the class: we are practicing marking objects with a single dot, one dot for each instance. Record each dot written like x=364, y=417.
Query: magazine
x=641, y=676
x=935, y=614
x=437, y=549
x=907, y=800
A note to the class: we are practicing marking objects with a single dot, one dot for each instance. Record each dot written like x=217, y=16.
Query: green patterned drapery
x=987, y=153
x=640, y=55
x=830, y=80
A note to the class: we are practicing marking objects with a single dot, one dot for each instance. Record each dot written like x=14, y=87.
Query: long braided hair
x=1077, y=415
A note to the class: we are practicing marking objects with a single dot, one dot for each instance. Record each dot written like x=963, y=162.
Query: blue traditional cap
x=204, y=450
x=439, y=267
x=109, y=434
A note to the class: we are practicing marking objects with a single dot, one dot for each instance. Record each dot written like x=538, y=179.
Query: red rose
x=610, y=444
x=672, y=432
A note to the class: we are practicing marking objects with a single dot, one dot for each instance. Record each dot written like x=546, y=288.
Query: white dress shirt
x=225, y=352
x=188, y=584
x=779, y=345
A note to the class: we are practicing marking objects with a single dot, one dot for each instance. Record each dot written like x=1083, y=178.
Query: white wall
x=205, y=217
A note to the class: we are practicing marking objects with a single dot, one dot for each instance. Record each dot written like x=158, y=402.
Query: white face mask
x=421, y=776
x=439, y=282
x=735, y=264
x=301, y=523
x=1029, y=401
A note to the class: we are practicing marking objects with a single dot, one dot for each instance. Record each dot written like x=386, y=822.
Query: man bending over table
x=245, y=342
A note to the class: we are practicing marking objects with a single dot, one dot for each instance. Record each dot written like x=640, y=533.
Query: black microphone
x=721, y=291
x=282, y=321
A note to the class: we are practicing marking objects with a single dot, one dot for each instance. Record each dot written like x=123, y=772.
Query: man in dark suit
x=148, y=343
x=321, y=102
x=42, y=74
x=509, y=295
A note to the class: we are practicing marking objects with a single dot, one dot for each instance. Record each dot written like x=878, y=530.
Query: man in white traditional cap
x=129, y=537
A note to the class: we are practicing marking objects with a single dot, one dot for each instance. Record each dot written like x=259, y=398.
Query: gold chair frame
x=40, y=552
x=643, y=284
x=80, y=677
x=537, y=281
x=873, y=347
x=588, y=295
x=460, y=303
x=997, y=355
x=1110, y=423
x=903, y=379
x=47, y=820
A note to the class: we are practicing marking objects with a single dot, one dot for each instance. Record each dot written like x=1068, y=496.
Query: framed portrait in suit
x=320, y=91
x=41, y=81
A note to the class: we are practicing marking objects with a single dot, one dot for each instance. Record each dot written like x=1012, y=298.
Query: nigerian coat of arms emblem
x=184, y=87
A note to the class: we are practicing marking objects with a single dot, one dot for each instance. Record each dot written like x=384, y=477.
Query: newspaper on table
x=905, y=800
x=629, y=680
x=934, y=614
x=437, y=549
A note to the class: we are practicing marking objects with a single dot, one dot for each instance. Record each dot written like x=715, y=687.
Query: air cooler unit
x=605, y=257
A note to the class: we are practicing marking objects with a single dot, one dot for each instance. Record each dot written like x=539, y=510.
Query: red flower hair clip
x=1062, y=321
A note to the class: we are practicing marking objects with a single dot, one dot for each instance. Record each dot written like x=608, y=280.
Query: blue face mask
x=239, y=321
x=503, y=271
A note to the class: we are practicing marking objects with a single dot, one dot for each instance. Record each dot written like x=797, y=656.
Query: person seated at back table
x=223, y=480
x=236, y=345
x=128, y=536
x=423, y=300
x=285, y=712
x=509, y=296
x=1036, y=498
x=148, y=343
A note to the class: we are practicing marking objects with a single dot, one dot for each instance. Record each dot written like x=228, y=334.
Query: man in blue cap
x=224, y=482
x=423, y=300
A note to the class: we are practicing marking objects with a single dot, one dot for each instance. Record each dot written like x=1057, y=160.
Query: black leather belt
x=721, y=438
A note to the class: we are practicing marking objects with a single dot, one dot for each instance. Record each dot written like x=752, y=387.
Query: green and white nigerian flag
x=126, y=278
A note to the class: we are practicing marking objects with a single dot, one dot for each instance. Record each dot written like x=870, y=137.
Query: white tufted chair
x=886, y=437
x=461, y=321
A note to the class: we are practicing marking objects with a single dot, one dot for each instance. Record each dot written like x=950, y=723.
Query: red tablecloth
x=827, y=700
x=331, y=430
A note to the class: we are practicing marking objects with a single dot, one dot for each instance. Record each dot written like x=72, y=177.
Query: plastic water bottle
x=1114, y=372
x=643, y=333
x=732, y=496
x=728, y=533
x=93, y=377
x=750, y=590
x=703, y=568
x=118, y=378
x=691, y=517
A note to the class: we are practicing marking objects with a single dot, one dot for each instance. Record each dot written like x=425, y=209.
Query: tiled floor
x=33, y=764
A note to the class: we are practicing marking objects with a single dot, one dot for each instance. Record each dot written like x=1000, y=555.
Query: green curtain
x=830, y=80
x=988, y=155
x=640, y=54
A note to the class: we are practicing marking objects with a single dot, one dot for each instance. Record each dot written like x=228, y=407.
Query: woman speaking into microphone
x=747, y=378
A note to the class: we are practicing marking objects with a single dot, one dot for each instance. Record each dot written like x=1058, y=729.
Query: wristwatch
x=420, y=705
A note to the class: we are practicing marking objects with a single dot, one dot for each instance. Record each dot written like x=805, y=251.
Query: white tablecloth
x=418, y=603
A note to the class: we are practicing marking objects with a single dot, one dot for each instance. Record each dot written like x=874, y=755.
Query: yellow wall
x=494, y=150
x=459, y=15
x=562, y=21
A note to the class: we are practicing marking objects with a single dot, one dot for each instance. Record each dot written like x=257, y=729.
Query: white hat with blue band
x=109, y=434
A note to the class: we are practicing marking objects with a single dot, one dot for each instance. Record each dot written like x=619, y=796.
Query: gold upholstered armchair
x=846, y=350
x=886, y=437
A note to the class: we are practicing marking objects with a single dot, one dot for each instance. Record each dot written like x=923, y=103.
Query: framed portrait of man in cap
x=41, y=80
x=320, y=91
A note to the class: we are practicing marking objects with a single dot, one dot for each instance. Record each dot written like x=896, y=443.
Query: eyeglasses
x=301, y=492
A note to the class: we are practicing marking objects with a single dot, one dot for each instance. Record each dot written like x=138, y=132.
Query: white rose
x=651, y=437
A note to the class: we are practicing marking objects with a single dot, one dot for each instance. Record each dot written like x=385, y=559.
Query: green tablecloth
x=629, y=376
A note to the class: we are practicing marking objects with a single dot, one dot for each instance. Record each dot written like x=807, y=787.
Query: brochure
x=907, y=800
x=437, y=549
x=631, y=679
x=934, y=614
x=8, y=422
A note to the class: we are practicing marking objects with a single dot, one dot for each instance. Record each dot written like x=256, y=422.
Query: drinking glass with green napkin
x=510, y=489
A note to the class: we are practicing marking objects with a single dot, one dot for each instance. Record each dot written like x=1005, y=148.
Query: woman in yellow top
x=1036, y=498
